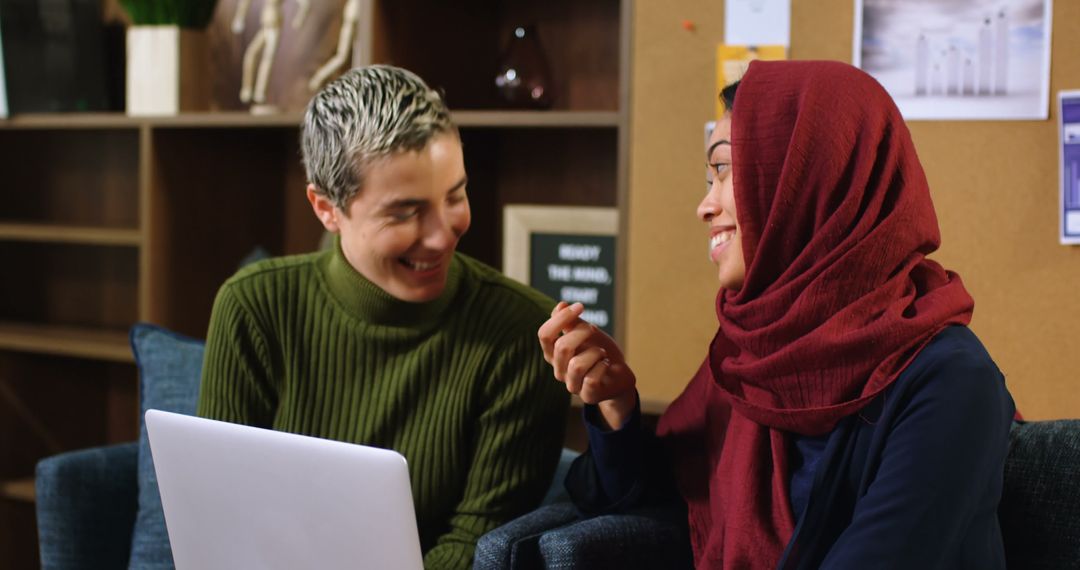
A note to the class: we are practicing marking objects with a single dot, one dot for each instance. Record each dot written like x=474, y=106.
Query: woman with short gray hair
x=392, y=338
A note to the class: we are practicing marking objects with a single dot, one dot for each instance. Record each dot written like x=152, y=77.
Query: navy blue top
x=911, y=481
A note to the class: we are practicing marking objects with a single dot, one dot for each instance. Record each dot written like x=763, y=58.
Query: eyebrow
x=713, y=147
x=413, y=202
x=460, y=184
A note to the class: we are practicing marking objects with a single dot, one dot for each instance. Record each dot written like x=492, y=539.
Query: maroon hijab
x=836, y=223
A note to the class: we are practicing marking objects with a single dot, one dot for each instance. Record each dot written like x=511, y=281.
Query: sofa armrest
x=86, y=504
x=1040, y=503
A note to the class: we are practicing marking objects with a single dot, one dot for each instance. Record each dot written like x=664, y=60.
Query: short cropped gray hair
x=366, y=114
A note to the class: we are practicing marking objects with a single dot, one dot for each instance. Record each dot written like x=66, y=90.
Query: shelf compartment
x=66, y=285
x=82, y=342
x=51, y=404
x=71, y=177
x=249, y=187
x=49, y=233
x=580, y=40
x=566, y=167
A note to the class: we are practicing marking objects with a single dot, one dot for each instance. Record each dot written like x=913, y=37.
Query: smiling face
x=401, y=229
x=717, y=210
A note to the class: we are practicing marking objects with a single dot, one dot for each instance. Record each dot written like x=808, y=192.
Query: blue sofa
x=88, y=501
x=99, y=508
x=1039, y=513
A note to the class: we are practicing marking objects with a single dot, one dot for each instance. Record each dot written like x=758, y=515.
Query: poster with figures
x=958, y=59
x=1069, y=128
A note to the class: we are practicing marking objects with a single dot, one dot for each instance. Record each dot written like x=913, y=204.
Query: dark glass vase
x=524, y=78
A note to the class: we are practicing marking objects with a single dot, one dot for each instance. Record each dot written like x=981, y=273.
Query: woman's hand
x=589, y=363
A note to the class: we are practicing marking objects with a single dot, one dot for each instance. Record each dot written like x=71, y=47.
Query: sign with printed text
x=576, y=269
x=567, y=253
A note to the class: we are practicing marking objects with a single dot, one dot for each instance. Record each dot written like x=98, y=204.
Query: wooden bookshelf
x=113, y=219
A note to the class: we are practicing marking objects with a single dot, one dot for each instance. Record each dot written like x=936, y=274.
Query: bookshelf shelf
x=236, y=119
x=51, y=233
x=61, y=340
x=21, y=490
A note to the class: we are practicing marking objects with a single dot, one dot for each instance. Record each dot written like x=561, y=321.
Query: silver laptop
x=241, y=497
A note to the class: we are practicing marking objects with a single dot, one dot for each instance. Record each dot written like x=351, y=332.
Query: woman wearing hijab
x=844, y=416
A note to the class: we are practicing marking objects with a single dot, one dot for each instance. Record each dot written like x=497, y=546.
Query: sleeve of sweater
x=237, y=374
x=622, y=469
x=940, y=473
x=517, y=443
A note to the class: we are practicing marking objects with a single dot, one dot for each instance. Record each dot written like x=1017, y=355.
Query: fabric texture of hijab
x=838, y=297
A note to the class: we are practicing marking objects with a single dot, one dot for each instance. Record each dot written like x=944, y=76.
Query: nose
x=709, y=207
x=439, y=232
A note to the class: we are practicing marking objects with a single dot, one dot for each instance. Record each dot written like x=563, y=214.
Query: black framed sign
x=567, y=253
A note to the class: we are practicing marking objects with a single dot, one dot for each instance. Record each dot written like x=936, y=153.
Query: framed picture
x=1069, y=172
x=567, y=253
x=970, y=59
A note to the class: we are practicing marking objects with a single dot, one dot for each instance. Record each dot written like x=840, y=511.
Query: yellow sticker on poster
x=732, y=61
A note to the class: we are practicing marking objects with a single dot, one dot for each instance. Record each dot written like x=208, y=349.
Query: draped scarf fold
x=836, y=223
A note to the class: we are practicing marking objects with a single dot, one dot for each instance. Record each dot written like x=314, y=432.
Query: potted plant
x=167, y=53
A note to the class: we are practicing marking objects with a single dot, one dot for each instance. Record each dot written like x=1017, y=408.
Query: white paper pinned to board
x=757, y=22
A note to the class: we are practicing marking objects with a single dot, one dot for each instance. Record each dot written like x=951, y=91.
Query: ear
x=324, y=209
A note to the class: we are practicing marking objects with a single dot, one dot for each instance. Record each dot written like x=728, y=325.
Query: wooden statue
x=263, y=46
x=349, y=21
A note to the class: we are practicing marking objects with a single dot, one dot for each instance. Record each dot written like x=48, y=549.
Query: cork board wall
x=994, y=185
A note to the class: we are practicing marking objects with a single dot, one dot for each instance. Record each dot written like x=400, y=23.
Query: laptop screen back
x=241, y=497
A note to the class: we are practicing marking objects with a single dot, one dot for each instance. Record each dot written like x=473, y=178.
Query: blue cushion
x=557, y=491
x=170, y=366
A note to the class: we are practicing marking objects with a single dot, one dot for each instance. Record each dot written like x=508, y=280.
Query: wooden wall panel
x=994, y=185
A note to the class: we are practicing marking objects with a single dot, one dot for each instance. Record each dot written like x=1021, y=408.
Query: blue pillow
x=170, y=366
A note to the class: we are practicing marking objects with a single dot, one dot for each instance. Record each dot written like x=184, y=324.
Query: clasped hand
x=589, y=363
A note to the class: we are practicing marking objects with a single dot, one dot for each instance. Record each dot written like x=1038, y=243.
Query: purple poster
x=1070, y=167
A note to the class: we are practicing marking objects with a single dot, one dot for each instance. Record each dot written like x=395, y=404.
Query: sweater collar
x=370, y=303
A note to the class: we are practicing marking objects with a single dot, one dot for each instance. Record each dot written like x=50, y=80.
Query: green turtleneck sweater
x=459, y=386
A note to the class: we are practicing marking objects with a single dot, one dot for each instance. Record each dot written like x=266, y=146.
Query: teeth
x=420, y=265
x=722, y=237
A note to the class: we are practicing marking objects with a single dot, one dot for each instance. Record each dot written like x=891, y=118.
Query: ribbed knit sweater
x=307, y=345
